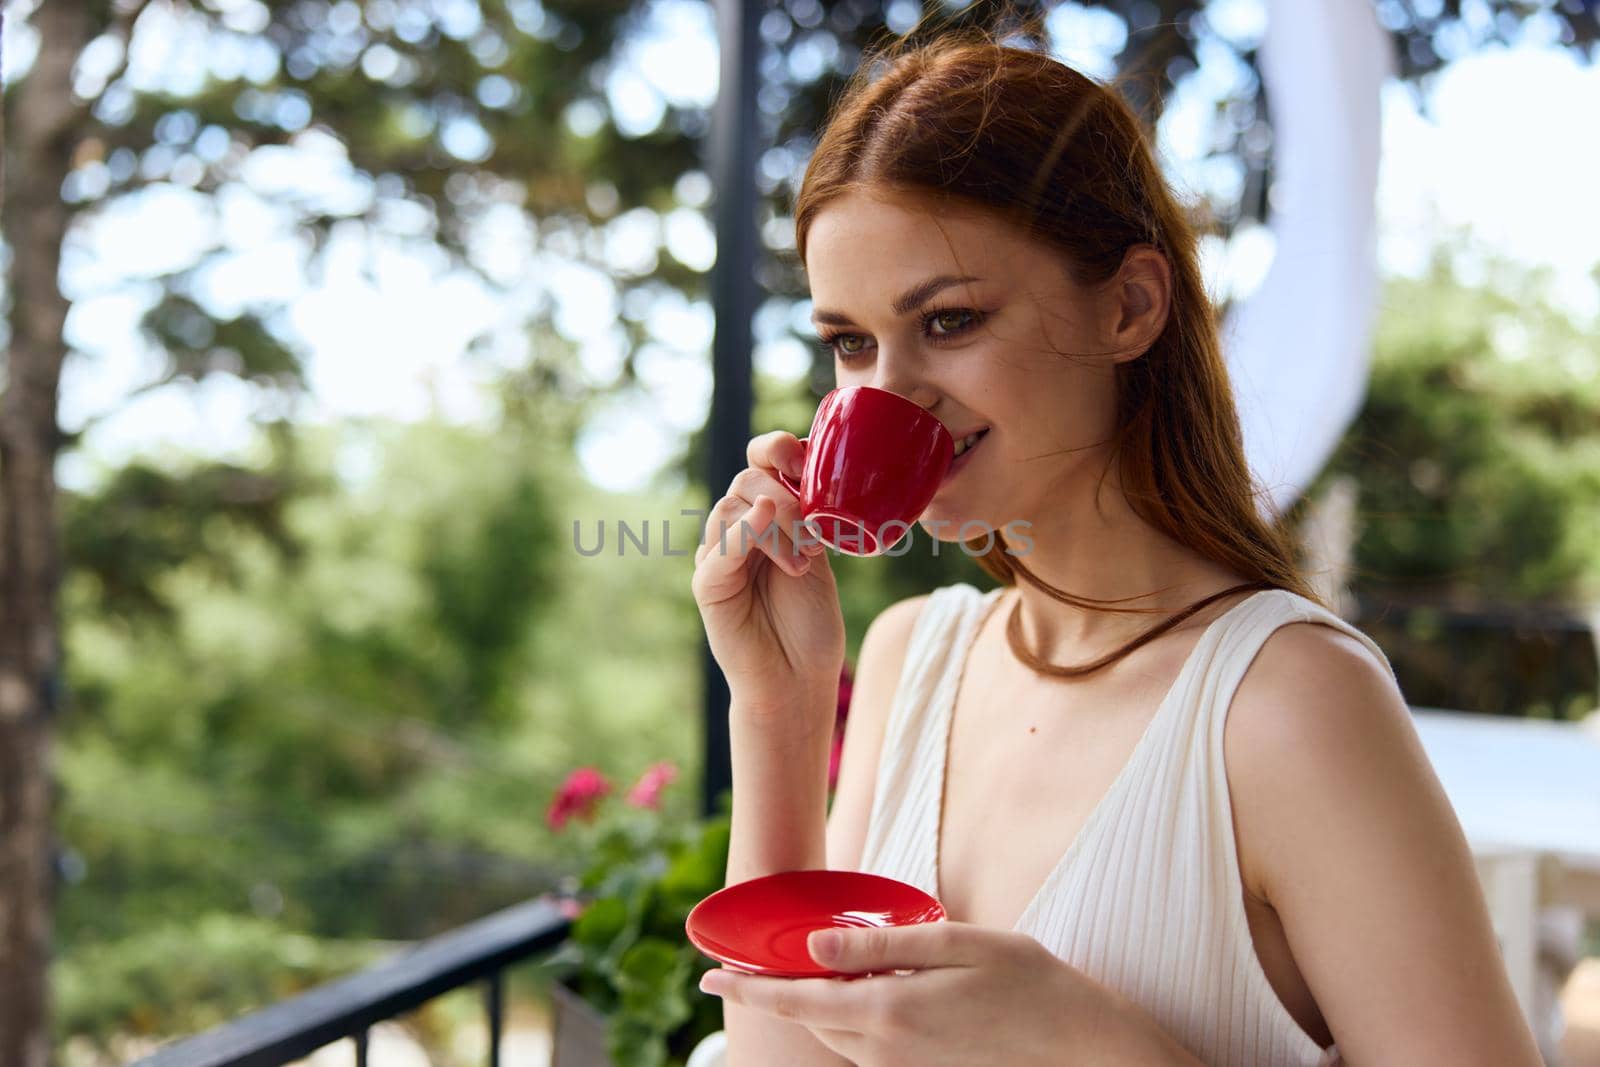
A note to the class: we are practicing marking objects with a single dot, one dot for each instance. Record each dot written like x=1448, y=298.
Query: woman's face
x=994, y=352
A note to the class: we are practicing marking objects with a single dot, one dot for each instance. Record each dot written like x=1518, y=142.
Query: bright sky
x=387, y=325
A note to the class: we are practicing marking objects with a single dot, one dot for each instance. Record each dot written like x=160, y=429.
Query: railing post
x=734, y=296
x=494, y=1003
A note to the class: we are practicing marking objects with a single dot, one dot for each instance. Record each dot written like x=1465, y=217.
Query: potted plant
x=626, y=989
x=626, y=982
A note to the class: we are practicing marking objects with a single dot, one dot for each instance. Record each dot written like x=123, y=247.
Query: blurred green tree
x=1476, y=456
x=354, y=742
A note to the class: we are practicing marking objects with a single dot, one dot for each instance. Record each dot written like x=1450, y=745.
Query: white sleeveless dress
x=1148, y=898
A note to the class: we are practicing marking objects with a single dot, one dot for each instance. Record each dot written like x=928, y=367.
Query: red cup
x=873, y=462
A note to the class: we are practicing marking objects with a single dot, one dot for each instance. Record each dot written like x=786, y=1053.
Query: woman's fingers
x=781, y=450
x=735, y=529
x=757, y=512
x=735, y=524
x=751, y=483
x=719, y=571
x=723, y=516
x=778, y=450
x=778, y=543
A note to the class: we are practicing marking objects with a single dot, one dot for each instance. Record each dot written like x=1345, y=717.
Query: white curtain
x=1298, y=348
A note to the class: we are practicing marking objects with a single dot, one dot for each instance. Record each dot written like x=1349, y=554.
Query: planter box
x=578, y=1037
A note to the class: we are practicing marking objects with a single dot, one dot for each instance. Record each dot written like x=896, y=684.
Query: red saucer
x=760, y=926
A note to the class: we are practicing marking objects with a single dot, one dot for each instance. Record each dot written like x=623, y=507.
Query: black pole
x=733, y=301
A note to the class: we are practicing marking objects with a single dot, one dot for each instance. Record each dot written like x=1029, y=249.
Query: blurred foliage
x=1477, y=448
x=354, y=741
x=222, y=975
x=1477, y=458
x=145, y=521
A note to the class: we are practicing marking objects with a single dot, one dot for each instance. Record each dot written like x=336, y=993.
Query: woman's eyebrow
x=908, y=302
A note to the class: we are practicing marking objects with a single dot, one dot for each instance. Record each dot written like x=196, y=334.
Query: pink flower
x=578, y=796
x=646, y=793
x=842, y=711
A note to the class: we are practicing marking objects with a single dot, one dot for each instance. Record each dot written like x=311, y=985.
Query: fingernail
x=825, y=944
x=710, y=983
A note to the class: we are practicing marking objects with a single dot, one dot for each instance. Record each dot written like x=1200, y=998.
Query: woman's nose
x=895, y=380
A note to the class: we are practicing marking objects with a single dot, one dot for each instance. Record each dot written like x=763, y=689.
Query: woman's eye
x=937, y=326
x=943, y=318
x=840, y=345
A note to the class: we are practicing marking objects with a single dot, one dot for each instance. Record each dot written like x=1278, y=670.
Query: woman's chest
x=1026, y=769
x=1026, y=772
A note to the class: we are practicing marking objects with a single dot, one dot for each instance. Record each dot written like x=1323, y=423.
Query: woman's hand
x=769, y=604
x=974, y=995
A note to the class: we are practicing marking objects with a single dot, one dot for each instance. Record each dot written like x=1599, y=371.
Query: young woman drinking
x=1174, y=807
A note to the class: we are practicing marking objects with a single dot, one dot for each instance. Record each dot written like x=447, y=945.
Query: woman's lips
x=961, y=461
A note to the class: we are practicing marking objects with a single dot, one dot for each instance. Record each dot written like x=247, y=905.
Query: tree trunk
x=40, y=129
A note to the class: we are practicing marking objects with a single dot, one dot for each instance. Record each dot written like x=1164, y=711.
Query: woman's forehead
x=857, y=237
x=864, y=265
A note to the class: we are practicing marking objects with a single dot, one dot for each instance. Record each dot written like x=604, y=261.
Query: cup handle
x=784, y=478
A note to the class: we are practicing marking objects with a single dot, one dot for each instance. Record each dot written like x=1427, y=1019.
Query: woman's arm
x=877, y=676
x=780, y=820
x=779, y=805
x=1345, y=831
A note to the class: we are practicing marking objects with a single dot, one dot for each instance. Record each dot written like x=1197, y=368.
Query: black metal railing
x=345, y=1009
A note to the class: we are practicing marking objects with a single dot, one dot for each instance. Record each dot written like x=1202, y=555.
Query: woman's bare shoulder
x=1314, y=704
x=1314, y=697
x=893, y=625
x=1299, y=653
x=1344, y=830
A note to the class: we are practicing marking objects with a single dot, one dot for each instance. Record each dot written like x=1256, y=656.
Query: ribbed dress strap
x=1247, y=630
x=909, y=763
x=1258, y=1019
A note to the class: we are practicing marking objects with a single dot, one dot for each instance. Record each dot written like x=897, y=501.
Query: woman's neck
x=1107, y=553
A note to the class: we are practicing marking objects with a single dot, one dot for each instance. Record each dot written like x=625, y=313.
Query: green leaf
x=652, y=980
x=600, y=923
x=633, y=1042
x=649, y=963
x=701, y=868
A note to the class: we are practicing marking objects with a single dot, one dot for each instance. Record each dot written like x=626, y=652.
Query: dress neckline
x=1119, y=783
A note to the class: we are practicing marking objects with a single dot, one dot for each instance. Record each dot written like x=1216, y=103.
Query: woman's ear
x=1138, y=300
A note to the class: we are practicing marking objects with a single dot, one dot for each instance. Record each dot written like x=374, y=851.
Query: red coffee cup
x=873, y=462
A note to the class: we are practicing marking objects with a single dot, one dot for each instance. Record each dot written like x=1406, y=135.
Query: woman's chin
x=952, y=525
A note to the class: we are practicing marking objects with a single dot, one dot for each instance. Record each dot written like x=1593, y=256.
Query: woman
x=1175, y=808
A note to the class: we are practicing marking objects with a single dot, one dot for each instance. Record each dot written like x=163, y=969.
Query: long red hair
x=967, y=121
